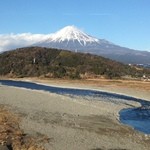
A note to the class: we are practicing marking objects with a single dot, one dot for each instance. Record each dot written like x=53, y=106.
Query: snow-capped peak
x=72, y=33
x=71, y=38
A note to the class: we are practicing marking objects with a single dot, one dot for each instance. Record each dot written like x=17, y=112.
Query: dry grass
x=12, y=137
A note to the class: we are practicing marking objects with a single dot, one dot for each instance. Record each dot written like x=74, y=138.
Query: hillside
x=53, y=63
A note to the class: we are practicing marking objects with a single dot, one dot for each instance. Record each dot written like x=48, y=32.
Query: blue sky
x=123, y=22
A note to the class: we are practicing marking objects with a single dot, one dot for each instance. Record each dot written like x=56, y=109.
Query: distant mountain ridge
x=71, y=38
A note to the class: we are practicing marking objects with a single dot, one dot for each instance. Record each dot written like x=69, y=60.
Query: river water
x=138, y=118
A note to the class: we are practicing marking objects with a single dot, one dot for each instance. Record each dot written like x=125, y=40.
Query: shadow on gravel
x=9, y=147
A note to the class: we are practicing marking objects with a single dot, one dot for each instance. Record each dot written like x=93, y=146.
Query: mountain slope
x=47, y=62
x=73, y=39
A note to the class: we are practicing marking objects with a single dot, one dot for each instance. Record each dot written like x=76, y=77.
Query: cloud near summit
x=12, y=41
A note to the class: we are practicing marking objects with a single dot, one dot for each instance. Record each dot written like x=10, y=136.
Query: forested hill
x=53, y=63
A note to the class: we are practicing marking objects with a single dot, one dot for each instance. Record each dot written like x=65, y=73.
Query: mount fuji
x=71, y=38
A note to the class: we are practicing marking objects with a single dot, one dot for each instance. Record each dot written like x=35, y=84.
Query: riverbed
x=73, y=119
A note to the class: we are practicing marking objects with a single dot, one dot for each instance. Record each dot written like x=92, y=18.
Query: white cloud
x=12, y=41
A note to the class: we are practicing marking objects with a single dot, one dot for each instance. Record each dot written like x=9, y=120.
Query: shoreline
x=75, y=120
x=111, y=86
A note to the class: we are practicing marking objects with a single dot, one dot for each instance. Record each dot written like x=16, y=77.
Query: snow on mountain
x=71, y=38
x=72, y=33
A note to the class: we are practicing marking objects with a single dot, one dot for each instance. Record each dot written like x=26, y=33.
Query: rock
x=19, y=133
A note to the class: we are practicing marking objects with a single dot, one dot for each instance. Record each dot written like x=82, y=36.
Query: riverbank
x=72, y=123
x=134, y=88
